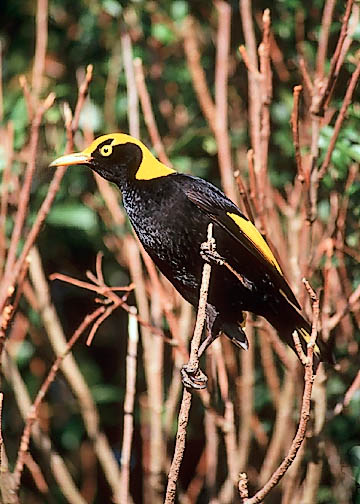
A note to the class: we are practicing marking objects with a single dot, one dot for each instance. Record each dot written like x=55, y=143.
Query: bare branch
x=193, y=363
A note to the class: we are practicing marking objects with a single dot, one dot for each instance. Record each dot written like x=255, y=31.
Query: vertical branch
x=211, y=451
x=265, y=86
x=245, y=397
x=193, y=363
x=295, y=131
x=72, y=373
x=132, y=96
x=282, y=423
x=324, y=38
x=129, y=408
x=153, y=374
x=148, y=112
x=111, y=86
x=197, y=72
x=42, y=441
x=254, y=92
x=41, y=44
x=34, y=410
x=221, y=97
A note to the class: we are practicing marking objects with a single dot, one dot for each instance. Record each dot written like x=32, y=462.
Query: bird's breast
x=170, y=229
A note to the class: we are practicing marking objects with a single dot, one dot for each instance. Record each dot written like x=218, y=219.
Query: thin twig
x=325, y=91
x=340, y=119
x=132, y=95
x=42, y=441
x=324, y=38
x=73, y=375
x=221, y=100
x=129, y=408
x=305, y=409
x=193, y=363
x=295, y=132
x=41, y=44
x=33, y=413
x=197, y=72
x=148, y=113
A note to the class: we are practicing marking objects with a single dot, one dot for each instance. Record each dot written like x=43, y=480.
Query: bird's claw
x=193, y=378
x=209, y=254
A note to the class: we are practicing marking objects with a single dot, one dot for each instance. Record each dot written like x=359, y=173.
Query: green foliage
x=84, y=32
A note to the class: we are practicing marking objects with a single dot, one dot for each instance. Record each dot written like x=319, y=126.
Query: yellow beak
x=77, y=158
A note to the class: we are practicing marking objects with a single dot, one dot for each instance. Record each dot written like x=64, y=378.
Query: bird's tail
x=291, y=320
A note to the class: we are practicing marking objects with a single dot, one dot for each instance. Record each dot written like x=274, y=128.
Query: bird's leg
x=209, y=253
x=194, y=378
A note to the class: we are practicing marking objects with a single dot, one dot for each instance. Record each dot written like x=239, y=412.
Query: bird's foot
x=193, y=378
x=209, y=253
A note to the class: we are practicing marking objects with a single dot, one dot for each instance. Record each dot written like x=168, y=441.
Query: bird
x=170, y=213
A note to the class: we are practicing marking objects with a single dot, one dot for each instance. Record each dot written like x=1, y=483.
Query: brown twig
x=73, y=375
x=83, y=92
x=36, y=474
x=295, y=132
x=197, y=72
x=348, y=395
x=132, y=95
x=8, y=284
x=325, y=91
x=148, y=113
x=25, y=190
x=41, y=44
x=245, y=395
x=129, y=408
x=255, y=99
x=305, y=409
x=33, y=413
x=221, y=101
x=42, y=441
x=340, y=119
x=324, y=38
x=193, y=363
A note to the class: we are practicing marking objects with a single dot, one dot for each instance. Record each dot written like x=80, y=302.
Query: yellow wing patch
x=149, y=168
x=250, y=231
x=307, y=338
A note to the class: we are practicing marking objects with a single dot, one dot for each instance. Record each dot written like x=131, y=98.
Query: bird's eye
x=106, y=150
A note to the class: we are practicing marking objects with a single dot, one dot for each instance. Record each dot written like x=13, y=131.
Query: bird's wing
x=226, y=214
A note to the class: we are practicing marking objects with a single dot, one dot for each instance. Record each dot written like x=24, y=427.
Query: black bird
x=170, y=213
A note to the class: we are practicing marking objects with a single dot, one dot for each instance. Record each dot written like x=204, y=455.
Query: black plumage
x=170, y=213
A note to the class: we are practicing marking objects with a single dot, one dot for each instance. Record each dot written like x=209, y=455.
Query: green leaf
x=24, y=353
x=179, y=10
x=112, y=8
x=103, y=394
x=162, y=33
x=73, y=215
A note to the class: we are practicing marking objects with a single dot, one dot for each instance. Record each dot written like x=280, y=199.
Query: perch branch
x=186, y=399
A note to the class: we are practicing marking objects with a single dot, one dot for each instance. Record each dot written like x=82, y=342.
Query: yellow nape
x=149, y=168
x=250, y=231
x=307, y=338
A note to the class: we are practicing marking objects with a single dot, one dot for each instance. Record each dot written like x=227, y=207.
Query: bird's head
x=117, y=157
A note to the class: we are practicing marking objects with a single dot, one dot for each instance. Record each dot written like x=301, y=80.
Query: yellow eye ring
x=106, y=150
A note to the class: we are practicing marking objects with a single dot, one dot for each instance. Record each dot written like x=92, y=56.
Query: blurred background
x=81, y=222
